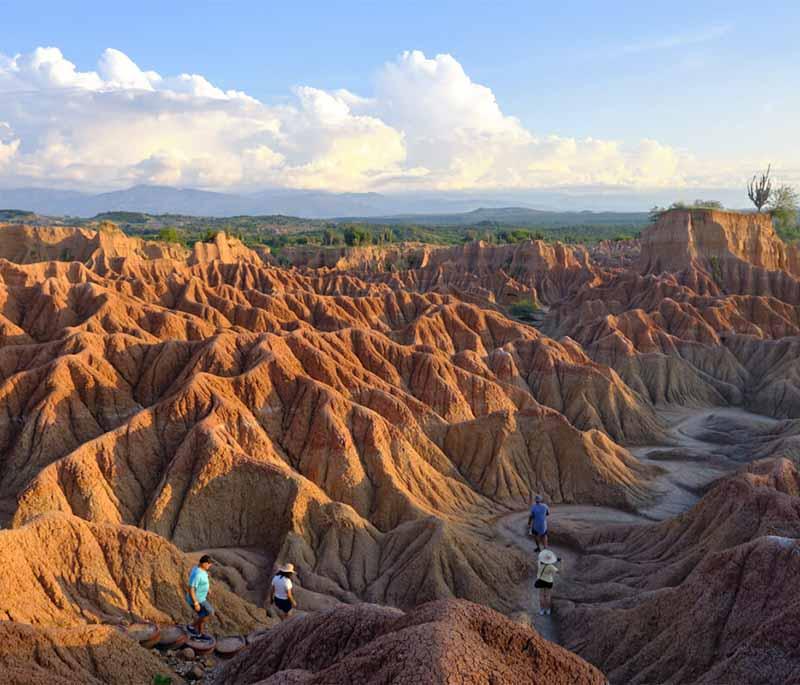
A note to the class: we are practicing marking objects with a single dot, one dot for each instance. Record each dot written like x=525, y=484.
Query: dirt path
x=690, y=464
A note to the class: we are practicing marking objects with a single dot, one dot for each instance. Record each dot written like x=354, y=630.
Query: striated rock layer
x=370, y=435
x=701, y=598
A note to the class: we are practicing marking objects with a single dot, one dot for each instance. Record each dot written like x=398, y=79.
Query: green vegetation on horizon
x=281, y=231
x=278, y=231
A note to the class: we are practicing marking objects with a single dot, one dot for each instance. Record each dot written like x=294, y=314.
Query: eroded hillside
x=368, y=415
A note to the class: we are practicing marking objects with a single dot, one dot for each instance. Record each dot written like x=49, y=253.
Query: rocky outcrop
x=372, y=258
x=223, y=249
x=442, y=642
x=477, y=272
x=700, y=598
x=31, y=244
x=90, y=655
x=61, y=571
x=702, y=319
x=683, y=238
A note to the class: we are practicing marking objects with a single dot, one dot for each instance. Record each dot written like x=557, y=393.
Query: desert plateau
x=385, y=429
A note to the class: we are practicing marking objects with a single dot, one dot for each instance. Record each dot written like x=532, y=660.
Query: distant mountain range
x=408, y=207
x=166, y=200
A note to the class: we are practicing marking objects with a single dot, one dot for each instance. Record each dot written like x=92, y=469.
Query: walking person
x=545, y=577
x=281, y=593
x=537, y=522
x=197, y=594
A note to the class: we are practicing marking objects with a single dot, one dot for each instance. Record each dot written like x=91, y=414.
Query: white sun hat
x=547, y=556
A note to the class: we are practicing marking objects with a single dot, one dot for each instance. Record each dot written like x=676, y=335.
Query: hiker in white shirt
x=280, y=592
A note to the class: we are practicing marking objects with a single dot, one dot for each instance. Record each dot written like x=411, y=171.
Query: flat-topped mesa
x=548, y=271
x=476, y=257
x=367, y=258
x=530, y=256
x=477, y=271
x=23, y=244
x=707, y=238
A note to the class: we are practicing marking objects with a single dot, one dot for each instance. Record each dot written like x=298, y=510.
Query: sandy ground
x=690, y=465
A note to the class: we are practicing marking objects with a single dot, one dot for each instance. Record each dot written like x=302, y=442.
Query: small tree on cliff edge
x=759, y=189
x=783, y=207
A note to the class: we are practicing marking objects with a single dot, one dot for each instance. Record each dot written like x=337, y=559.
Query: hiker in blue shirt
x=537, y=522
x=197, y=593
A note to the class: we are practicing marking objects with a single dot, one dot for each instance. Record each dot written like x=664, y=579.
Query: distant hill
x=513, y=216
x=444, y=209
x=18, y=215
x=165, y=200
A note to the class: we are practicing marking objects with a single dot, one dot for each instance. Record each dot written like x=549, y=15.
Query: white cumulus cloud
x=427, y=125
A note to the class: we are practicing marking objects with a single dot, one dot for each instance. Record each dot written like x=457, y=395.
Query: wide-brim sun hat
x=287, y=568
x=546, y=556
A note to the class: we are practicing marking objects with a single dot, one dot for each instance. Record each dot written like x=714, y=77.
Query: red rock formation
x=683, y=238
x=90, y=655
x=443, y=642
x=173, y=394
x=370, y=422
x=700, y=598
x=477, y=272
x=61, y=571
x=688, y=330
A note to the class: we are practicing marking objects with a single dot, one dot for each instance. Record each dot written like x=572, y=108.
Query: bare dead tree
x=759, y=189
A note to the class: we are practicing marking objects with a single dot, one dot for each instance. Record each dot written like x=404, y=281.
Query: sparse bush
x=657, y=212
x=783, y=208
x=355, y=236
x=716, y=270
x=524, y=309
x=170, y=235
x=331, y=237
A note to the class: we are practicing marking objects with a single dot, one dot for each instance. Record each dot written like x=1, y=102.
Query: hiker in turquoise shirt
x=197, y=594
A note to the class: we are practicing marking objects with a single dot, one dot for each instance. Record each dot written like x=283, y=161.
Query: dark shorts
x=542, y=584
x=539, y=533
x=206, y=609
x=284, y=605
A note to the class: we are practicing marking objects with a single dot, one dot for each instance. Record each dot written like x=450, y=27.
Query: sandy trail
x=690, y=464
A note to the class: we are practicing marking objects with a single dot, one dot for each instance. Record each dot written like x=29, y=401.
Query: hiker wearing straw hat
x=280, y=592
x=545, y=577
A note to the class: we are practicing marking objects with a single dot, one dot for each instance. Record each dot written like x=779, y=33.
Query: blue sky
x=700, y=78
